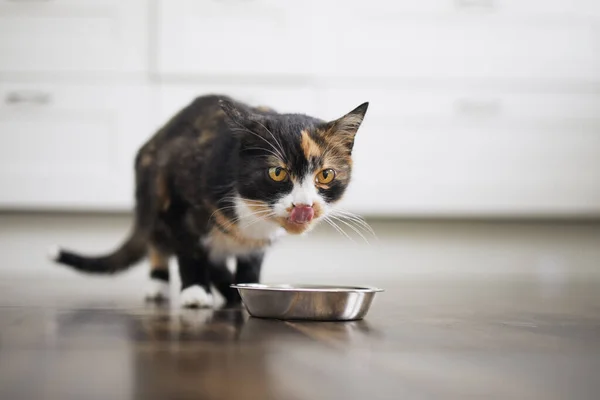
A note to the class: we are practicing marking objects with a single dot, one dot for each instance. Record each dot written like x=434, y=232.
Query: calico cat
x=224, y=179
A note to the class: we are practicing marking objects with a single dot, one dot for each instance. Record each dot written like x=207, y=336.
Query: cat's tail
x=133, y=249
x=129, y=253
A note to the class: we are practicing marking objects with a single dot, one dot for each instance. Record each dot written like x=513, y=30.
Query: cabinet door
x=457, y=152
x=221, y=37
x=38, y=36
x=497, y=43
x=70, y=147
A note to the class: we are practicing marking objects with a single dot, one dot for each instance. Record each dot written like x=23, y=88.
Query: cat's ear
x=245, y=124
x=344, y=129
x=236, y=115
x=240, y=119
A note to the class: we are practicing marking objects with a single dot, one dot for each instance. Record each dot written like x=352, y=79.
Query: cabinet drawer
x=64, y=147
x=457, y=47
x=482, y=106
x=519, y=154
x=461, y=171
x=216, y=37
x=531, y=9
x=73, y=36
x=294, y=99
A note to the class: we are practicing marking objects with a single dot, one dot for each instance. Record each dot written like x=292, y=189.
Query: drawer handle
x=37, y=98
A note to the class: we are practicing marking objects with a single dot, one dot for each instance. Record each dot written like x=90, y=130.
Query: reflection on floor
x=471, y=309
x=451, y=339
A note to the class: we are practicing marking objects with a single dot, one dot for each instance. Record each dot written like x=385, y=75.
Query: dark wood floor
x=449, y=339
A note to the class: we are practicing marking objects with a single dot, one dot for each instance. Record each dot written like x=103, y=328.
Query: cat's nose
x=302, y=213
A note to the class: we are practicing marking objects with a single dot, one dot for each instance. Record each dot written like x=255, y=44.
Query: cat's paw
x=195, y=297
x=157, y=290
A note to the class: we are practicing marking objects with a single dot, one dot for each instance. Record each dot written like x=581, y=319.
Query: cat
x=225, y=179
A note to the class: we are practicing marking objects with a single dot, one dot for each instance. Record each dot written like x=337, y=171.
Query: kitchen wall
x=478, y=107
x=481, y=110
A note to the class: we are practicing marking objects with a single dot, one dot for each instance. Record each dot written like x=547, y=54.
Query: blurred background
x=479, y=156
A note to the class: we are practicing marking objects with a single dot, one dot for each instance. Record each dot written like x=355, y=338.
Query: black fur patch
x=160, y=274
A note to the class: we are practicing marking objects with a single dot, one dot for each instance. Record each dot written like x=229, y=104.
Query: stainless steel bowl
x=309, y=302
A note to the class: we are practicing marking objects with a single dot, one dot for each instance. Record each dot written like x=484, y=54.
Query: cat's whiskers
x=244, y=129
x=356, y=219
x=273, y=136
x=350, y=214
x=234, y=206
x=258, y=216
x=222, y=209
x=351, y=227
x=355, y=226
x=232, y=203
x=267, y=150
x=326, y=219
x=238, y=218
x=337, y=228
x=234, y=199
x=262, y=217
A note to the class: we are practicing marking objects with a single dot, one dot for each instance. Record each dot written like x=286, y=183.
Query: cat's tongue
x=302, y=214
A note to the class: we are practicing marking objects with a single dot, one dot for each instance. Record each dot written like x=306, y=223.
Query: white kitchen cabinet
x=463, y=104
x=461, y=47
x=70, y=146
x=478, y=107
x=461, y=171
x=223, y=37
x=73, y=36
x=477, y=152
x=559, y=10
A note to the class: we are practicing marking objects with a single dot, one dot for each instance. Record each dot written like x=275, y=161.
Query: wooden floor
x=449, y=339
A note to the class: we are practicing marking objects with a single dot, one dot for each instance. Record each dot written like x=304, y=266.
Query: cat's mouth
x=301, y=214
x=300, y=218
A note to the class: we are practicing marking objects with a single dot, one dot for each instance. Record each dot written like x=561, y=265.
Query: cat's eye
x=278, y=174
x=326, y=176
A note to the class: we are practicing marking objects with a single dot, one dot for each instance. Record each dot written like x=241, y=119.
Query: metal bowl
x=308, y=302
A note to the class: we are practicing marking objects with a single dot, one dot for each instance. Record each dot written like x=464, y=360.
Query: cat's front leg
x=222, y=278
x=247, y=271
x=194, y=271
x=248, y=268
x=158, y=289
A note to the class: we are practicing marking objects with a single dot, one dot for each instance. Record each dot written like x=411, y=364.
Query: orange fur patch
x=255, y=206
x=309, y=146
x=158, y=260
x=340, y=161
x=162, y=192
x=231, y=230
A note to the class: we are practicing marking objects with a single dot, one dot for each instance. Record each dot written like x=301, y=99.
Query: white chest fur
x=250, y=226
x=220, y=247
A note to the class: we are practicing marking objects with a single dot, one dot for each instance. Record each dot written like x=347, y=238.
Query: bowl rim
x=322, y=288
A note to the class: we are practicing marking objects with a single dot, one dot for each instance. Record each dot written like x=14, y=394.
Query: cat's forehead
x=305, y=146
